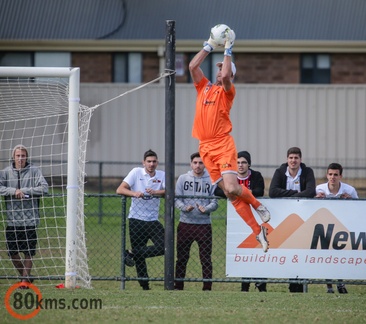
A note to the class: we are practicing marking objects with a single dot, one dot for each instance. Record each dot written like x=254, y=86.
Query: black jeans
x=140, y=233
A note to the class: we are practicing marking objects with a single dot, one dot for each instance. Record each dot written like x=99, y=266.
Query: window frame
x=314, y=74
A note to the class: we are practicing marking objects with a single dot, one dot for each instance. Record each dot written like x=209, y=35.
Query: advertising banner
x=308, y=238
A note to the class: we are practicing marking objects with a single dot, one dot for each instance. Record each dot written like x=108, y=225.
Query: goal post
x=40, y=108
x=72, y=180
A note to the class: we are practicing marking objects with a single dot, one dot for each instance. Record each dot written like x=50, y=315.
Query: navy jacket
x=277, y=189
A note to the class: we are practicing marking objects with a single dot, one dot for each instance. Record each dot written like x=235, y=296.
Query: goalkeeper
x=22, y=184
x=212, y=127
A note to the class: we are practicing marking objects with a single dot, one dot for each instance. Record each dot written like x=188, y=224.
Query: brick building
x=286, y=41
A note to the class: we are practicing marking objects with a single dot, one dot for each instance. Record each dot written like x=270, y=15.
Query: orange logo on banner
x=7, y=298
x=293, y=232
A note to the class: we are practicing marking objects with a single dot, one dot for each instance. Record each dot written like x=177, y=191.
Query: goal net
x=39, y=108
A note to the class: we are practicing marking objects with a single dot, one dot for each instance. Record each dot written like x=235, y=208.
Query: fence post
x=100, y=211
x=169, y=155
x=123, y=242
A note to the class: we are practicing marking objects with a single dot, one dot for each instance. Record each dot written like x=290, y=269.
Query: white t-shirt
x=146, y=208
x=343, y=188
x=293, y=183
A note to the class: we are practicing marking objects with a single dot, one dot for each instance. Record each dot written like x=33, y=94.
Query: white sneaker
x=263, y=213
x=262, y=238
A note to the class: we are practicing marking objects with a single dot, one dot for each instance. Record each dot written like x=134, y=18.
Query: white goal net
x=39, y=109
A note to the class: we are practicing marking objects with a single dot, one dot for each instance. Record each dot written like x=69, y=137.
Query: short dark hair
x=245, y=155
x=294, y=150
x=149, y=153
x=335, y=166
x=195, y=155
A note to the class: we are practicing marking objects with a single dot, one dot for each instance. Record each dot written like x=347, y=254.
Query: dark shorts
x=21, y=239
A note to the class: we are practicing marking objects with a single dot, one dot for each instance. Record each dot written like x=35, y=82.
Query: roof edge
x=241, y=46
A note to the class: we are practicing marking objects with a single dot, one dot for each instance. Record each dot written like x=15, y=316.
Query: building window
x=315, y=68
x=127, y=67
x=16, y=59
x=39, y=59
x=52, y=59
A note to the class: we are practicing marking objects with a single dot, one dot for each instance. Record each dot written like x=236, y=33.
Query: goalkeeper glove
x=229, y=42
x=210, y=45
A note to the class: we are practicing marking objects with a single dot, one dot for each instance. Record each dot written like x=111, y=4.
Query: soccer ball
x=218, y=34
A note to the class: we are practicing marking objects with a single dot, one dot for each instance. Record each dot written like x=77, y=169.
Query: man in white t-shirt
x=144, y=185
x=334, y=188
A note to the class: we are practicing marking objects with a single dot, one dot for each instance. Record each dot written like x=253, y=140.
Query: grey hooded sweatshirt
x=189, y=185
x=22, y=212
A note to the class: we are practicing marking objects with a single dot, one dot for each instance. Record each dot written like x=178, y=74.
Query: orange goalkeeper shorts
x=219, y=156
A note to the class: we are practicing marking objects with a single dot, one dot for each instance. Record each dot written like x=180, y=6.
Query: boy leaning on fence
x=145, y=185
x=293, y=179
x=194, y=220
x=335, y=188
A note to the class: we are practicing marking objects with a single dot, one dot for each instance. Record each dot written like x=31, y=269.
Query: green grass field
x=225, y=304
x=194, y=306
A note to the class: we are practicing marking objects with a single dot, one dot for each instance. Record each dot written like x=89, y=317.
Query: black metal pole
x=100, y=211
x=169, y=154
x=123, y=241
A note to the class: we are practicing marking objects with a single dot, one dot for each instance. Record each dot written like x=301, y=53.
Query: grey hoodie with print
x=189, y=185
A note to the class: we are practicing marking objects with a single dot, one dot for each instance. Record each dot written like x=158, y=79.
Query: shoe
x=30, y=279
x=129, y=261
x=245, y=286
x=146, y=287
x=342, y=289
x=262, y=287
x=263, y=213
x=206, y=289
x=296, y=288
x=262, y=238
x=330, y=289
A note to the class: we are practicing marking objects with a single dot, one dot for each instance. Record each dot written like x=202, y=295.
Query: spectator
x=195, y=221
x=144, y=185
x=334, y=188
x=293, y=179
x=212, y=127
x=254, y=181
x=22, y=184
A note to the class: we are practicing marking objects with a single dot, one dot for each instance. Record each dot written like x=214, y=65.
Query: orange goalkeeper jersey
x=212, y=118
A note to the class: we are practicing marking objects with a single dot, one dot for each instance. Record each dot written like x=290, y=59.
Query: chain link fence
x=107, y=238
x=107, y=233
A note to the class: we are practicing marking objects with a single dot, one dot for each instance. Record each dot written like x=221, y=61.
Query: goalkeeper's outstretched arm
x=194, y=66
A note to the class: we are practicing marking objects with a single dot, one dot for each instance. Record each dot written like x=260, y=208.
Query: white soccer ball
x=218, y=33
